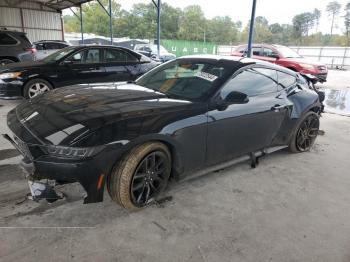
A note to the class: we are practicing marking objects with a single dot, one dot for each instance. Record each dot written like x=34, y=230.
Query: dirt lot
x=292, y=207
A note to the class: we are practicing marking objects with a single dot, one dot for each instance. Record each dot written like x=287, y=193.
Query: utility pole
x=251, y=29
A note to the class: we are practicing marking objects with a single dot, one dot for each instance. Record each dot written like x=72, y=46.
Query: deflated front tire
x=140, y=176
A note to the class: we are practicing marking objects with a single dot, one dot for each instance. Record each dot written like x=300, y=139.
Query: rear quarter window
x=25, y=40
x=285, y=80
x=6, y=39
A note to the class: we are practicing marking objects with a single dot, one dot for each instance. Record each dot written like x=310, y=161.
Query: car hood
x=303, y=60
x=21, y=66
x=64, y=115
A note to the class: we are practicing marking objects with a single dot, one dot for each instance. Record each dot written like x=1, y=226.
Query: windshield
x=287, y=52
x=161, y=49
x=185, y=79
x=58, y=55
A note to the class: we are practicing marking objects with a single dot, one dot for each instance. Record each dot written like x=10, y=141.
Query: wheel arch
x=36, y=77
x=10, y=58
x=177, y=163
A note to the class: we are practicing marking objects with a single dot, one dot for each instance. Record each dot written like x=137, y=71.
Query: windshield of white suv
x=287, y=52
x=161, y=49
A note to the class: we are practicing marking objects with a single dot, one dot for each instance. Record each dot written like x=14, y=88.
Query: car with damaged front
x=192, y=115
x=287, y=57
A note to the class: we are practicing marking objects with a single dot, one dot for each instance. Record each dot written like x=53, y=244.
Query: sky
x=276, y=11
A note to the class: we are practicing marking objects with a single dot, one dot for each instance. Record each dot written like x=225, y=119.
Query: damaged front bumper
x=91, y=172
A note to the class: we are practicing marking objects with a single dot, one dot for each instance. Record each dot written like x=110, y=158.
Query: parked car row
x=152, y=52
x=133, y=123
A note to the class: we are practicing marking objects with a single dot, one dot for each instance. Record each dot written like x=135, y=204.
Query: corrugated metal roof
x=53, y=4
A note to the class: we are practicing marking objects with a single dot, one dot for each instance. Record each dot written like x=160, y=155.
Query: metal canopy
x=58, y=5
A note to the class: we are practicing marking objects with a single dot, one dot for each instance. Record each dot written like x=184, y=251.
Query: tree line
x=190, y=23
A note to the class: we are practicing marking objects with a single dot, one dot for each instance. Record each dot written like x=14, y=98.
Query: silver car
x=47, y=47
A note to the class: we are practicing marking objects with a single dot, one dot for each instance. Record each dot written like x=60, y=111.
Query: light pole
x=251, y=29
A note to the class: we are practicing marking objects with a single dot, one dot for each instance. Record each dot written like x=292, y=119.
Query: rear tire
x=140, y=176
x=5, y=61
x=36, y=87
x=305, y=133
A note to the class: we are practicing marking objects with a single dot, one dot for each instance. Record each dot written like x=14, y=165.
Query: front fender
x=304, y=101
x=174, y=146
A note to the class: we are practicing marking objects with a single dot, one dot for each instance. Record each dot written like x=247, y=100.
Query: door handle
x=277, y=107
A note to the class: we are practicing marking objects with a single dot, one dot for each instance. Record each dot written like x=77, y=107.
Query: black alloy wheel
x=149, y=178
x=307, y=133
x=140, y=176
x=5, y=61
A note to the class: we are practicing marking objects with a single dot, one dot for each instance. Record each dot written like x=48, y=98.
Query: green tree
x=302, y=23
x=347, y=22
x=261, y=33
x=222, y=30
x=193, y=24
x=71, y=24
x=140, y=22
x=317, y=16
x=333, y=9
x=95, y=18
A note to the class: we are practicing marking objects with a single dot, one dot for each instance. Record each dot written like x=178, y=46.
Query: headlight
x=307, y=66
x=10, y=75
x=72, y=152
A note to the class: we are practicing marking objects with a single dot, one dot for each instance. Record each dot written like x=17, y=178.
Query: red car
x=284, y=56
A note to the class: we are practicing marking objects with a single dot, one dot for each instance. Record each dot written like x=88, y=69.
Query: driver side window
x=250, y=82
x=88, y=56
x=269, y=52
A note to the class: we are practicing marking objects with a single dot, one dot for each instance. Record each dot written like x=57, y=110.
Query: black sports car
x=191, y=114
x=72, y=65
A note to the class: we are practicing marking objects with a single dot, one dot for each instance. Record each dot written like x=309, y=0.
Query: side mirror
x=67, y=62
x=236, y=97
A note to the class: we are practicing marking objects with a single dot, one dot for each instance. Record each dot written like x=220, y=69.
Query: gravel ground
x=292, y=207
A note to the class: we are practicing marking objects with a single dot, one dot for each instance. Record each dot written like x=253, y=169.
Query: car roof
x=11, y=31
x=261, y=44
x=97, y=45
x=79, y=47
x=51, y=41
x=243, y=60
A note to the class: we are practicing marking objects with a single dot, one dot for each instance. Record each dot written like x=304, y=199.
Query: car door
x=86, y=66
x=120, y=65
x=238, y=129
x=269, y=55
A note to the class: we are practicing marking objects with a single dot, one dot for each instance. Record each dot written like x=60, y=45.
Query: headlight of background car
x=10, y=75
x=307, y=66
x=71, y=152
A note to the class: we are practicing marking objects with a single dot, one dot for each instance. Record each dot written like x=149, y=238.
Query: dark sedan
x=193, y=114
x=72, y=65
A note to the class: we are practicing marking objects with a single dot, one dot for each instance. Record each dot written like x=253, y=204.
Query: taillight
x=31, y=49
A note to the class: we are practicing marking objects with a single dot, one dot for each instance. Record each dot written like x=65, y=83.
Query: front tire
x=140, y=176
x=36, y=87
x=5, y=61
x=305, y=133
